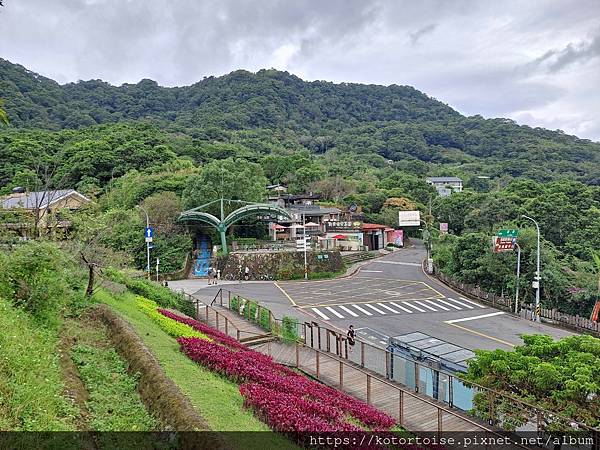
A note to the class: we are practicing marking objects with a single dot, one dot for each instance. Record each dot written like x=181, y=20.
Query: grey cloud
x=415, y=36
x=556, y=60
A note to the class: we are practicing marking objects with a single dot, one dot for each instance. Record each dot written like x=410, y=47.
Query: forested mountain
x=396, y=123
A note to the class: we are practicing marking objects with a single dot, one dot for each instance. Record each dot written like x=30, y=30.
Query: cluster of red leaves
x=275, y=391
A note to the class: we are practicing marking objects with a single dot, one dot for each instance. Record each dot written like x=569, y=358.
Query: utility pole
x=147, y=241
x=537, y=278
x=428, y=245
x=157, y=263
x=518, y=277
x=304, y=238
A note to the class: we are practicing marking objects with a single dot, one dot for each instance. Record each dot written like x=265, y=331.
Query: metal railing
x=288, y=328
x=442, y=386
x=578, y=323
x=375, y=363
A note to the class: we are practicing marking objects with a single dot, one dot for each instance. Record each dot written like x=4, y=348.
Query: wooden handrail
x=364, y=344
x=394, y=386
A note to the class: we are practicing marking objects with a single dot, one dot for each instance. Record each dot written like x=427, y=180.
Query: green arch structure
x=222, y=224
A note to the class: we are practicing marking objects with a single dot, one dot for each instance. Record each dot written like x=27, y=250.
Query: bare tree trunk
x=90, y=286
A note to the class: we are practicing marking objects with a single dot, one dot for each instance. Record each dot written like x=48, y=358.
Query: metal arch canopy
x=252, y=209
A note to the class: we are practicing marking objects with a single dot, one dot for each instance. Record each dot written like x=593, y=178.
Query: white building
x=445, y=186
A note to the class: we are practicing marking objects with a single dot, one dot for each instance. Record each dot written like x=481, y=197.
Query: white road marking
x=425, y=306
x=401, y=307
x=460, y=303
x=472, y=303
x=383, y=342
x=363, y=310
x=398, y=263
x=413, y=306
x=371, y=271
x=449, y=304
x=436, y=304
x=375, y=309
x=320, y=313
x=388, y=308
x=349, y=311
x=333, y=311
x=475, y=317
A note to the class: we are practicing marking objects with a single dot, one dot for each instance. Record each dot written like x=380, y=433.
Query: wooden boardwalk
x=414, y=411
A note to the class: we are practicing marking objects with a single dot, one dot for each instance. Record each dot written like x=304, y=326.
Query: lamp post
x=518, y=277
x=429, y=246
x=537, y=278
x=304, y=239
x=147, y=242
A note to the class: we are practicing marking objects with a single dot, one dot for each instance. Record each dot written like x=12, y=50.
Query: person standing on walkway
x=247, y=273
x=210, y=275
x=218, y=276
x=351, y=335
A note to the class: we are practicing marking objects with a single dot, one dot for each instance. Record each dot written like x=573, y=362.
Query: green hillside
x=249, y=115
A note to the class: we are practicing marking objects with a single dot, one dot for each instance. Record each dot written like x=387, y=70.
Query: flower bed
x=172, y=327
x=287, y=401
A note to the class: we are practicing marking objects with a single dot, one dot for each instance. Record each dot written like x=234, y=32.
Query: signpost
x=504, y=244
x=508, y=233
x=409, y=218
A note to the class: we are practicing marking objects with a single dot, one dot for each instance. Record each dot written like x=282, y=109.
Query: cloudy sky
x=535, y=61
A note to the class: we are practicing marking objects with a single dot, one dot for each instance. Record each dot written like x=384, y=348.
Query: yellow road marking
x=480, y=334
x=286, y=294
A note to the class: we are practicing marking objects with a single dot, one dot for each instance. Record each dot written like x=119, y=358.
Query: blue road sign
x=149, y=232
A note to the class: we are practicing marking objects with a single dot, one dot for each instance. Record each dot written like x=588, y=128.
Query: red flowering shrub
x=275, y=391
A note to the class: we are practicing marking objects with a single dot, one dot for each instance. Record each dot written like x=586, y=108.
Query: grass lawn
x=218, y=400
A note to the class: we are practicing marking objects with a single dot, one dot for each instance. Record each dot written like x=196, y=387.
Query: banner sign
x=398, y=237
x=504, y=244
x=409, y=218
x=343, y=225
x=443, y=228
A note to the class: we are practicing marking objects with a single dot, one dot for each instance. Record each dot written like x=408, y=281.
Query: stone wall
x=278, y=265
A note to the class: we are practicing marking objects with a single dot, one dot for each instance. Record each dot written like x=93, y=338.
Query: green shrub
x=251, y=310
x=168, y=325
x=41, y=279
x=265, y=319
x=289, y=329
x=164, y=296
x=234, y=303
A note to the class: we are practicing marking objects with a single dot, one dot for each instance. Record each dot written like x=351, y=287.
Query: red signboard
x=504, y=244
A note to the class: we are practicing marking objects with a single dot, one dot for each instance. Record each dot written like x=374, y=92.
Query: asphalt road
x=387, y=297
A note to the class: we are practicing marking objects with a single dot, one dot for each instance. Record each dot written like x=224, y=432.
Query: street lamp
x=147, y=242
x=429, y=246
x=537, y=278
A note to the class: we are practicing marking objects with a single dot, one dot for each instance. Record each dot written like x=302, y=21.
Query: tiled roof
x=36, y=200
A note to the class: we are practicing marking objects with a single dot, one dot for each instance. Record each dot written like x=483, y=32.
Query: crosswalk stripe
x=387, y=307
x=375, y=309
x=436, y=304
x=320, y=313
x=460, y=303
x=449, y=304
x=401, y=307
x=349, y=311
x=364, y=311
x=426, y=306
x=413, y=306
x=472, y=303
x=333, y=311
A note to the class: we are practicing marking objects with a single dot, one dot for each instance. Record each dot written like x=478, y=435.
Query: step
x=256, y=340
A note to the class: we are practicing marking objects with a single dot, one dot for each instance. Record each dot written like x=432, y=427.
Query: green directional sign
x=508, y=233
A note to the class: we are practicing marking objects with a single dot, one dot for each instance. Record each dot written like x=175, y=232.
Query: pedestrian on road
x=351, y=337
x=247, y=273
x=210, y=275
x=218, y=276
